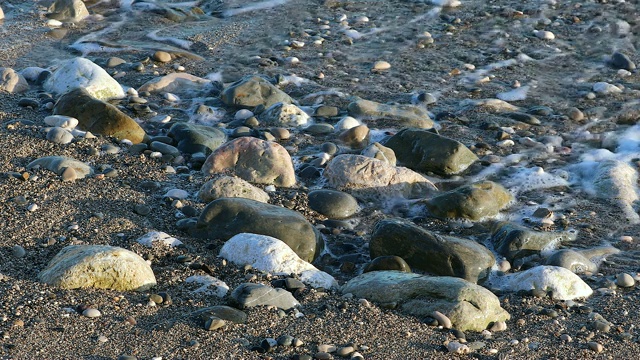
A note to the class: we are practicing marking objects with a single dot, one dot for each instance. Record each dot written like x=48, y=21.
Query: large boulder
x=98, y=266
x=424, y=151
x=371, y=179
x=271, y=255
x=83, y=73
x=468, y=306
x=515, y=241
x=253, y=160
x=176, y=83
x=472, y=202
x=401, y=115
x=230, y=187
x=192, y=138
x=430, y=252
x=251, y=91
x=12, y=82
x=562, y=283
x=98, y=116
x=226, y=217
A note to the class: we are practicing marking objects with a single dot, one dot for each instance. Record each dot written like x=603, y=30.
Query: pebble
x=498, y=326
x=91, y=313
x=543, y=34
x=625, y=280
x=18, y=251
x=381, y=65
x=213, y=323
x=345, y=351
x=327, y=348
x=357, y=356
x=162, y=56
x=457, y=348
x=595, y=346
x=322, y=356
x=442, y=319
x=33, y=207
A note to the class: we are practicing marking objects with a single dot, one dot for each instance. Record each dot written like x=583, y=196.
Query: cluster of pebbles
x=368, y=180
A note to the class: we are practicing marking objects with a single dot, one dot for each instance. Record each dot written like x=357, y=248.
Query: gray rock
x=401, y=115
x=253, y=160
x=164, y=149
x=572, y=260
x=193, y=138
x=12, y=82
x=98, y=116
x=59, y=135
x=58, y=164
x=223, y=312
x=380, y=152
x=433, y=253
x=389, y=262
x=98, y=266
x=515, y=241
x=251, y=91
x=471, y=202
x=226, y=217
x=424, y=151
x=249, y=295
x=283, y=114
x=616, y=180
x=333, y=204
x=468, y=306
x=71, y=10
x=622, y=61
x=231, y=187
x=375, y=180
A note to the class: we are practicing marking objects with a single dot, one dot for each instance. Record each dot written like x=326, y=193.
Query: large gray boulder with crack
x=251, y=91
x=472, y=202
x=467, y=305
x=254, y=160
x=401, y=115
x=192, y=138
x=424, y=151
x=98, y=266
x=437, y=254
x=98, y=117
x=249, y=295
x=226, y=217
x=515, y=241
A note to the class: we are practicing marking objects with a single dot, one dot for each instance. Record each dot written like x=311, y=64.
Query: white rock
x=606, y=88
x=152, y=237
x=31, y=73
x=81, y=72
x=543, y=34
x=446, y=3
x=243, y=114
x=381, y=65
x=281, y=114
x=347, y=123
x=177, y=194
x=210, y=285
x=564, y=284
x=65, y=122
x=269, y=254
x=458, y=348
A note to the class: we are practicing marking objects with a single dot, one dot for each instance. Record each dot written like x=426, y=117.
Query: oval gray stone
x=333, y=204
x=192, y=138
x=249, y=295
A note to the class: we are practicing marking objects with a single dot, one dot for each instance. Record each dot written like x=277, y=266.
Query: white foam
x=253, y=7
x=534, y=178
x=515, y=94
x=185, y=44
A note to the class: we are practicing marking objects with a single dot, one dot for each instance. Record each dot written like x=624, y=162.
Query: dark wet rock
x=226, y=217
x=222, y=312
x=437, y=254
x=515, y=241
x=388, y=262
x=402, y=115
x=524, y=117
x=468, y=306
x=333, y=204
x=98, y=116
x=622, y=61
x=380, y=152
x=164, y=149
x=231, y=187
x=192, y=138
x=252, y=91
x=471, y=202
x=249, y=295
x=253, y=160
x=424, y=151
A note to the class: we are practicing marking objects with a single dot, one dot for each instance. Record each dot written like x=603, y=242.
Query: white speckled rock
x=155, y=237
x=564, y=284
x=269, y=254
x=81, y=72
x=98, y=266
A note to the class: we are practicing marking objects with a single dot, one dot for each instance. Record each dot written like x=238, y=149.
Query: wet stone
x=333, y=204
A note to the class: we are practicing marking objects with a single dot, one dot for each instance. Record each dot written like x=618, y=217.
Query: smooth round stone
x=18, y=251
x=115, y=61
x=69, y=174
x=156, y=298
x=625, y=280
x=381, y=65
x=333, y=204
x=280, y=133
x=59, y=136
x=301, y=357
x=595, y=346
x=498, y=326
x=164, y=149
x=213, y=323
x=345, y=351
x=91, y=313
x=110, y=149
x=442, y=319
x=390, y=262
x=329, y=148
x=243, y=114
x=322, y=356
x=26, y=102
x=357, y=356
x=162, y=56
x=320, y=129
x=142, y=209
x=285, y=340
x=127, y=357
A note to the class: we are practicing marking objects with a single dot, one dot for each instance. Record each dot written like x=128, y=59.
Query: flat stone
x=176, y=83
x=59, y=164
x=437, y=254
x=249, y=295
x=563, y=284
x=223, y=312
x=59, y=135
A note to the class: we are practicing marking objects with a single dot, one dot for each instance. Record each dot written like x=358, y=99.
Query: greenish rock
x=251, y=91
x=223, y=312
x=389, y=262
x=437, y=254
x=333, y=204
x=98, y=266
x=469, y=307
x=424, y=151
x=192, y=138
x=58, y=164
x=226, y=217
x=402, y=115
x=250, y=295
x=230, y=187
x=472, y=202
x=580, y=261
x=515, y=241
x=98, y=116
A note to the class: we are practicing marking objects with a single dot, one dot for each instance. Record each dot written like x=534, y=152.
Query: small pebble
x=381, y=65
x=162, y=56
x=18, y=251
x=625, y=280
x=91, y=313
x=595, y=346
x=442, y=319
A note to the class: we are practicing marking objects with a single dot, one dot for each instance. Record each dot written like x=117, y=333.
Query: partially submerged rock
x=468, y=306
x=472, y=202
x=430, y=252
x=251, y=91
x=515, y=241
x=402, y=115
x=98, y=266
